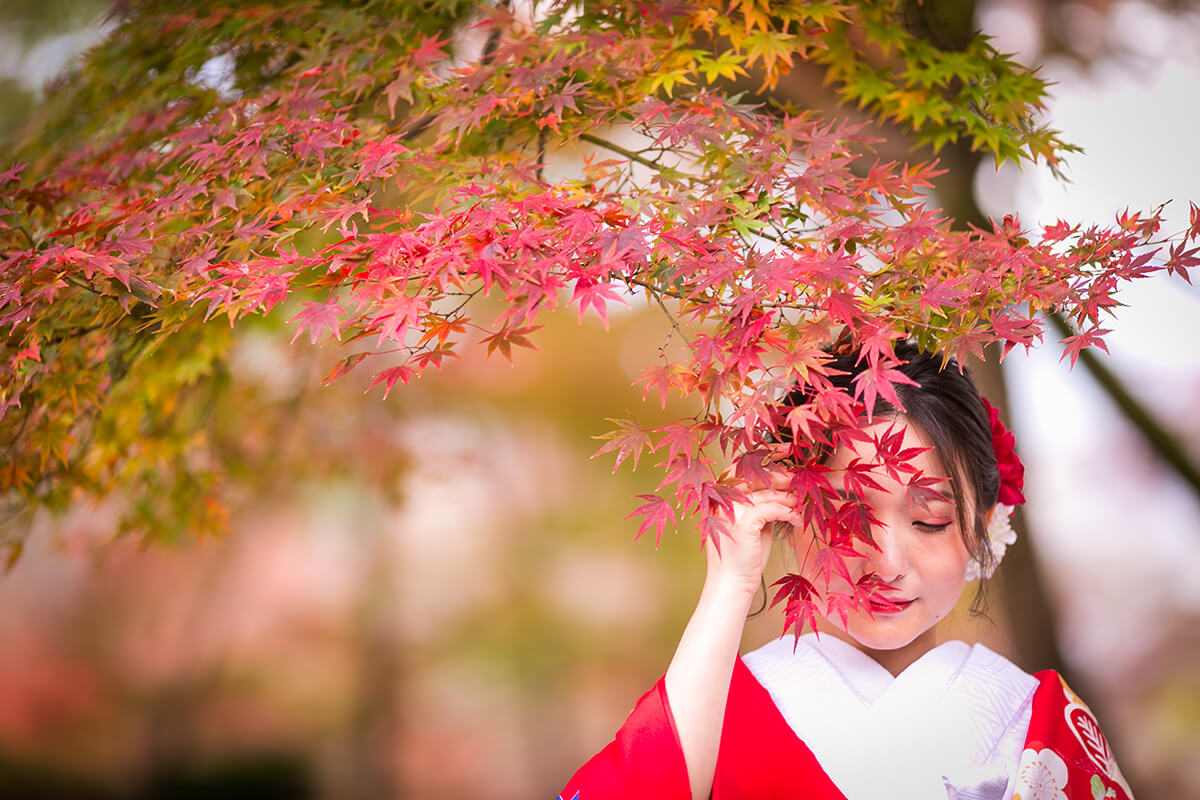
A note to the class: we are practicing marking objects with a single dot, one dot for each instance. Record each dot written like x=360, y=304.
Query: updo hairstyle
x=946, y=408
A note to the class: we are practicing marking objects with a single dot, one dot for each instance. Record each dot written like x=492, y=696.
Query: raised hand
x=697, y=681
x=738, y=558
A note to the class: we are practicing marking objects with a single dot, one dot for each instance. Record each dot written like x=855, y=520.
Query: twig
x=616, y=148
x=76, y=282
x=656, y=294
x=470, y=296
x=640, y=159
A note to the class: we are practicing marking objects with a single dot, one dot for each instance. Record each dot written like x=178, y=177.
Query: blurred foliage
x=213, y=160
x=27, y=32
x=240, y=416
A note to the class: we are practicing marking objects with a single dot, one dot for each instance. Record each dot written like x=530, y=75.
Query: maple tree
x=401, y=178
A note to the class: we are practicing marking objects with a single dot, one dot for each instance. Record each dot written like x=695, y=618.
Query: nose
x=888, y=561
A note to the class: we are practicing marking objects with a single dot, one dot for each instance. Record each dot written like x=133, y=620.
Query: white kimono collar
x=951, y=725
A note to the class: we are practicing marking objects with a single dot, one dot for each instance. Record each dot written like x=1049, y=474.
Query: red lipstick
x=888, y=606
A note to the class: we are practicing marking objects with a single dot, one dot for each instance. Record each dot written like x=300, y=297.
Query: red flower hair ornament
x=1012, y=471
x=1000, y=532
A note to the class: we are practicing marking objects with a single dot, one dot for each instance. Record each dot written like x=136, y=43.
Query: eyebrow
x=915, y=493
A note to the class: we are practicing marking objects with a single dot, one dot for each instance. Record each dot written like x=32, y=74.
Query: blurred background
x=445, y=600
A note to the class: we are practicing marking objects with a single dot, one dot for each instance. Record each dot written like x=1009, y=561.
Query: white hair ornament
x=1000, y=533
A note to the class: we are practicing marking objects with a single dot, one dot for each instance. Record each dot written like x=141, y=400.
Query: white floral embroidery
x=1042, y=775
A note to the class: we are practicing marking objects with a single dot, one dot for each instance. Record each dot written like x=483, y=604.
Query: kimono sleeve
x=644, y=760
x=1066, y=754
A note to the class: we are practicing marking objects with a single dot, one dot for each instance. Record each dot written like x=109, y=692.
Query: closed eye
x=931, y=527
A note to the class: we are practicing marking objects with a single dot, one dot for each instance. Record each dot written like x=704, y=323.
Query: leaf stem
x=470, y=296
x=616, y=148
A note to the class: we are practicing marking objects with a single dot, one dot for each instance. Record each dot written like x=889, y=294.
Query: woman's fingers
x=769, y=511
x=741, y=551
x=766, y=505
x=780, y=479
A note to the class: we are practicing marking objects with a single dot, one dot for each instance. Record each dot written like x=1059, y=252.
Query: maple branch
x=420, y=126
x=654, y=289
x=654, y=165
x=795, y=307
x=79, y=284
x=541, y=151
x=62, y=337
x=469, y=297
x=616, y=148
x=20, y=432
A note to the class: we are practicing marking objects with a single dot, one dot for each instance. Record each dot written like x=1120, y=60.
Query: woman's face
x=921, y=557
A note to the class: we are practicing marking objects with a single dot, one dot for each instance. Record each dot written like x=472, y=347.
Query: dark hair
x=946, y=407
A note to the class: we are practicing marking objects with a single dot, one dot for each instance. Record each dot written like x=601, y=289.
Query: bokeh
x=447, y=601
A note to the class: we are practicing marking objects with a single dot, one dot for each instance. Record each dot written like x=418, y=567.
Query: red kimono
x=1065, y=758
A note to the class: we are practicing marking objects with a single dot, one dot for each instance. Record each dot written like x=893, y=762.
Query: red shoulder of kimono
x=761, y=757
x=643, y=761
x=1066, y=756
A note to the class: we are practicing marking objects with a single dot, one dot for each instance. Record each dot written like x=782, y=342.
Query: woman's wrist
x=731, y=589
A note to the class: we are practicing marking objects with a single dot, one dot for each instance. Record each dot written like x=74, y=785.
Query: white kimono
x=827, y=722
x=953, y=724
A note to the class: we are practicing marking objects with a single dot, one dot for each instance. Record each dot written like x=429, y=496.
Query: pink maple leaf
x=656, y=512
x=880, y=379
x=589, y=292
x=318, y=319
x=12, y=173
x=628, y=440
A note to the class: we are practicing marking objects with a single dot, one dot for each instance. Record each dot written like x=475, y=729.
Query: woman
x=873, y=706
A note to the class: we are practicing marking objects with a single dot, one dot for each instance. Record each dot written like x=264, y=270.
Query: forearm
x=697, y=680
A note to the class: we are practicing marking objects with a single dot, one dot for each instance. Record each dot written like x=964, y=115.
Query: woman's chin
x=887, y=632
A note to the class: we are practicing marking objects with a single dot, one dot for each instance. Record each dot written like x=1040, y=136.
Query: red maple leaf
x=13, y=172
x=397, y=314
x=1072, y=345
x=1180, y=260
x=1058, y=231
x=663, y=378
x=429, y=51
x=880, y=379
x=433, y=358
x=656, y=512
x=389, y=377
x=679, y=439
x=841, y=605
x=343, y=366
x=831, y=560
x=506, y=338
x=628, y=440
x=752, y=467
x=800, y=610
